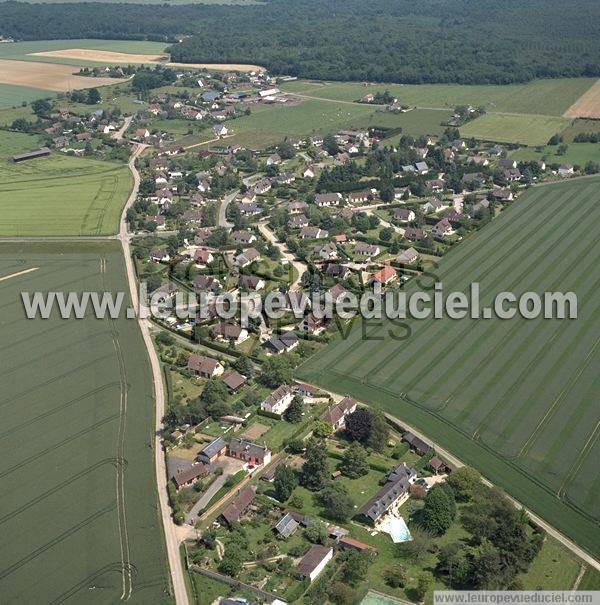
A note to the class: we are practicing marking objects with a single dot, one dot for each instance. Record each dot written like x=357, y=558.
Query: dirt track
x=588, y=104
x=48, y=76
x=108, y=56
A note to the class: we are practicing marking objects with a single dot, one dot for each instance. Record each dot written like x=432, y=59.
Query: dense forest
x=463, y=41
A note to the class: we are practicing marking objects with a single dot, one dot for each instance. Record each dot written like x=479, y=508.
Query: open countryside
x=79, y=507
x=58, y=195
x=494, y=392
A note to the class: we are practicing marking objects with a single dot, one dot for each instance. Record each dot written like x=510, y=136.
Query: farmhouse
x=205, y=367
x=336, y=416
x=212, y=452
x=249, y=452
x=314, y=561
x=240, y=504
x=278, y=401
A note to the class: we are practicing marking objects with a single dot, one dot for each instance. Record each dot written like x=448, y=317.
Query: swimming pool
x=396, y=527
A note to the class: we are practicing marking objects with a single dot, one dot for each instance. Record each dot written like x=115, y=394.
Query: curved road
x=171, y=535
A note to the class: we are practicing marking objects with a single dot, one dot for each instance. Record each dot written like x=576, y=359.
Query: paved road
x=223, y=222
x=452, y=459
x=171, y=535
x=298, y=265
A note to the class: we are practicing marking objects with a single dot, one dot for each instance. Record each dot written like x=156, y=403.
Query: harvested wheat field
x=88, y=54
x=588, y=104
x=48, y=76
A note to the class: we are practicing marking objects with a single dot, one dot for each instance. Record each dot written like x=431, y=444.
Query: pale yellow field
x=48, y=76
x=101, y=56
x=588, y=104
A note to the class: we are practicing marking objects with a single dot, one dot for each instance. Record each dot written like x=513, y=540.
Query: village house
x=160, y=256
x=403, y=215
x=278, y=401
x=314, y=562
x=274, y=160
x=386, y=275
x=164, y=292
x=324, y=200
x=229, y=332
x=286, y=526
x=243, y=236
x=473, y=180
x=507, y=163
x=565, y=170
x=283, y=343
x=390, y=497
x=435, y=185
x=408, y=256
x=308, y=173
x=212, y=452
x=250, y=283
x=366, y=251
x=327, y=252
x=202, y=257
x=285, y=178
x=220, y=130
x=336, y=292
x=337, y=270
x=205, y=367
x=207, y=283
x=512, y=175
x=360, y=197
x=234, y=381
x=297, y=221
x=246, y=258
x=313, y=233
x=239, y=505
x=413, y=234
x=442, y=228
x=262, y=186
x=185, y=477
x=296, y=207
x=501, y=194
x=416, y=444
x=336, y=415
x=401, y=192
x=254, y=455
x=312, y=324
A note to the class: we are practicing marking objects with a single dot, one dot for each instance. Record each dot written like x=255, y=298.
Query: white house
x=314, y=561
x=278, y=401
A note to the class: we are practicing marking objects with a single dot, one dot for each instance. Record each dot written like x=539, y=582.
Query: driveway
x=223, y=222
x=230, y=467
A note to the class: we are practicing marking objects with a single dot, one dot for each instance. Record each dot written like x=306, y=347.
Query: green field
x=77, y=485
x=22, y=51
x=577, y=154
x=517, y=399
x=13, y=96
x=547, y=97
x=505, y=128
x=270, y=124
x=58, y=195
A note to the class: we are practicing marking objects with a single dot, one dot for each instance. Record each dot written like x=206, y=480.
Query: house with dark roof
x=314, y=561
x=189, y=475
x=239, y=505
x=336, y=415
x=349, y=543
x=389, y=497
x=416, y=444
x=278, y=401
x=281, y=343
x=249, y=452
x=234, y=381
x=205, y=367
x=212, y=452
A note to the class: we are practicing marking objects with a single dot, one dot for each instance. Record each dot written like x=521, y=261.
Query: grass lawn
x=513, y=398
x=547, y=97
x=555, y=568
x=65, y=523
x=579, y=126
x=577, y=154
x=59, y=194
x=523, y=129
